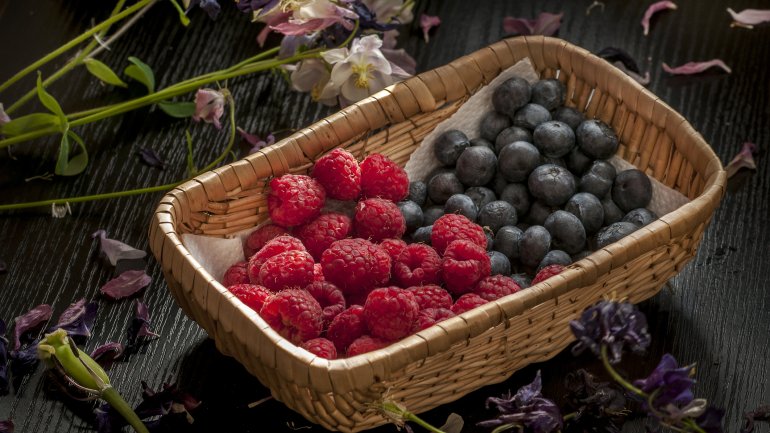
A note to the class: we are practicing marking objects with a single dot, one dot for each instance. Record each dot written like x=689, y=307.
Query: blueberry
x=554, y=139
x=497, y=214
x=449, y=146
x=431, y=214
x=522, y=280
x=596, y=139
x=478, y=141
x=531, y=115
x=588, y=209
x=444, y=185
x=463, y=205
x=549, y=93
x=631, y=190
x=418, y=192
x=422, y=235
x=492, y=123
x=412, y=213
x=511, y=135
x=612, y=212
x=567, y=232
x=538, y=212
x=641, y=217
x=480, y=195
x=507, y=241
x=613, y=233
x=598, y=179
x=581, y=255
x=511, y=95
x=534, y=245
x=517, y=160
x=517, y=195
x=555, y=161
x=500, y=264
x=577, y=162
x=490, y=240
x=555, y=257
x=476, y=166
x=552, y=184
x=569, y=115
x=499, y=183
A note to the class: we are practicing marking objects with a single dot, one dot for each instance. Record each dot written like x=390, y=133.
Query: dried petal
x=209, y=106
x=545, y=24
x=691, y=68
x=25, y=361
x=427, y=22
x=77, y=319
x=613, y=54
x=116, y=250
x=745, y=18
x=454, y=424
x=643, y=80
x=3, y=359
x=256, y=142
x=652, y=9
x=139, y=329
x=744, y=159
x=29, y=321
x=126, y=284
x=711, y=420
x=108, y=353
x=528, y=408
x=761, y=413
x=211, y=7
x=150, y=157
x=6, y=426
x=616, y=325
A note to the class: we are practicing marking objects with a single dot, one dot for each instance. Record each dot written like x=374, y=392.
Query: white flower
x=60, y=210
x=388, y=10
x=312, y=75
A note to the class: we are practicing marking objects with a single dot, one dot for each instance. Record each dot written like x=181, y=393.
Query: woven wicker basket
x=485, y=345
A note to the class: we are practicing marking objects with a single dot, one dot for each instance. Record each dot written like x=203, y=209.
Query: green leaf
x=141, y=72
x=62, y=162
x=191, y=169
x=77, y=164
x=103, y=72
x=28, y=123
x=48, y=101
x=178, y=109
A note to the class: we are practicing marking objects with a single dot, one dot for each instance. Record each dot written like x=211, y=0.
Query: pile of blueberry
x=537, y=180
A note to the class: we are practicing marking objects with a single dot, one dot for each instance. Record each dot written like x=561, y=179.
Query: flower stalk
x=399, y=415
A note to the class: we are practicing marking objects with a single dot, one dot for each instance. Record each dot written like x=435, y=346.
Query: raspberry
x=321, y=347
x=429, y=317
x=259, y=237
x=356, y=265
x=465, y=263
x=467, y=302
x=453, y=227
x=418, y=264
x=294, y=314
x=339, y=173
x=547, y=272
x=377, y=219
x=495, y=287
x=330, y=297
x=393, y=247
x=431, y=297
x=389, y=312
x=346, y=327
x=318, y=272
x=250, y=294
x=366, y=343
x=289, y=269
x=276, y=246
x=381, y=177
x=236, y=274
x=318, y=234
x=294, y=199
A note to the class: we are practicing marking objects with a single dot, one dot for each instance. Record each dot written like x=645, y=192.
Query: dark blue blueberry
x=507, y=241
x=554, y=139
x=534, y=245
x=517, y=195
x=517, y=160
x=490, y=240
x=444, y=185
x=538, y=212
x=567, y=232
x=497, y=214
x=613, y=233
x=588, y=209
x=449, y=146
x=511, y=95
x=577, y=162
x=499, y=183
x=555, y=161
x=551, y=184
x=422, y=235
x=569, y=115
x=522, y=280
x=483, y=143
x=598, y=179
x=612, y=212
x=463, y=205
x=555, y=257
x=596, y=139
x=500, y=264
x=476, y=166
x=511, y=135
x=550, y=93
x=418, y=192
x=641, y=217
x=480, y=195
x=631, y=190
x=492, y=124
x=531, y=115
x=412, y=213
x=431, y=214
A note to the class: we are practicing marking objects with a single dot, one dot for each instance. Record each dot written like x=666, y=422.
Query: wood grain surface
x=715, y=313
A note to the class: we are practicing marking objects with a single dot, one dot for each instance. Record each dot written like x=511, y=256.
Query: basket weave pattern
x=482, y=346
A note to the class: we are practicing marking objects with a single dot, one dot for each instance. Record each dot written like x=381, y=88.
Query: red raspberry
x=294, y=314
x=418, y=264
x=547, y=272
x=294, y=199
x=318, y=272
x=289, y=269
x=381, y=177
x=318, y=234
x=259, y=237
x=346, y=327
x=393, y=247
x=431, y=297
x=465, y=263
x=366, y=343
x=495, y=287
x=389, y=312
x=321, y=347
x=453, y=227
x=429, y=317
x=339, y=173
x=276, y=246
x=252, y=295
x=330, y=297
x=236, y=274
x=377, y=219
x=356, y=266
x=467, y=302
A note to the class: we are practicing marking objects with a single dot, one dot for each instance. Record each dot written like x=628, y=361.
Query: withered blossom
x=116, y=250
x=611, y=325
x=427, y=22
x=744, y=159
x=546, y=24
x=691, y=68
x=126, y=284
x=652, y=10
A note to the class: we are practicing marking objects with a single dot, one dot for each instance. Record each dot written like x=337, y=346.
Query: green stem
x=182, y=16
x=693, y=425
x=618, y=378
x=409, y=416
x=116, y=401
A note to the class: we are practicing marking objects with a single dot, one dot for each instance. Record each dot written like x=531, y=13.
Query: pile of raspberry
x=332, y=275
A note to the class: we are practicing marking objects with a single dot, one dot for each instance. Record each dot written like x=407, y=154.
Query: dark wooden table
x=717, y=312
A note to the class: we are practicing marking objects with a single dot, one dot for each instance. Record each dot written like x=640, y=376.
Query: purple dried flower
x=139, y=329
x=108, y=353
x=545, y=24
x=527, y=408
x=211, y=7
x=6, y=426
x=598, y=406
x=691, y=68
x=744, y=159
x=116, y=250
x=761, y=413
x=126, y=284
x=368, y=18
x=29, y=321
x=711, y=420
x=25, y=361
x=611, y=324
x=652, y=9
x=209, y=106
x=291, y=44
x=3, y=359
x=77, y=319
x=427, y=22
x=746, y=18
x=672, y=384
x=166, y=410
x=150, y=157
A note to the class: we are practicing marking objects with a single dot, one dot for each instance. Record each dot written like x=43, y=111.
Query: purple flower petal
x=29, y=321
x=545, y=24
x=25, y=361
x=126, y=284
x=77, y=319
x=711, y=420
x=211, y=7
x=108, y=353
x=116, y=250
x=150, y=157
x=528, y=408
x=744, y=159
x=139, y=330
x=3, y=359
x=6, y=426
x=746, y=18
x=427, y=22
x=691, y=68
x=652, y=9
x=616, y=325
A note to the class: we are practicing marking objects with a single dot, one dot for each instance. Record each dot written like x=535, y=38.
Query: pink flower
x=390, y=10
x=209, y=106
x=308, y=16
x=545, y=24
x=427, y=22
x=744, y=159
